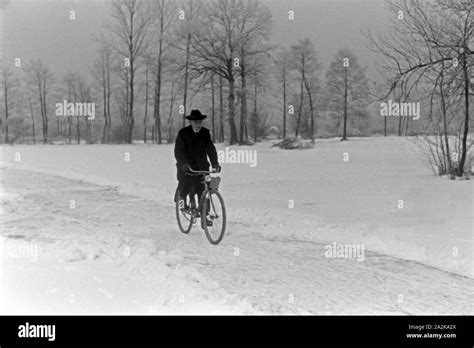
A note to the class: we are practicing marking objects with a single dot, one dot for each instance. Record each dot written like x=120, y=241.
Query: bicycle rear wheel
x=185, y=217
x=214, y=211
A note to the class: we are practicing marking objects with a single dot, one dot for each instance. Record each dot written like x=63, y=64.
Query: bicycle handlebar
x=204, y=172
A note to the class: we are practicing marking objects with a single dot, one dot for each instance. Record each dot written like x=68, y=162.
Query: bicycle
x=211, y=208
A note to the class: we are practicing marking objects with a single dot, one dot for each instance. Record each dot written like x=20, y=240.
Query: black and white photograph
x=236, y=157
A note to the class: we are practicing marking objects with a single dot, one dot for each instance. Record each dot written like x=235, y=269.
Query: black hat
x=196, y=115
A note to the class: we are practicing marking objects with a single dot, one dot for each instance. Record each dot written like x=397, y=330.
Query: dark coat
x=193, y=148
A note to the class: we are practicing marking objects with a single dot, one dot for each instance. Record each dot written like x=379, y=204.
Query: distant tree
x=191, y=15
x=71, y=83
x=175, y=88
x=129, y=29
x=164, y=16
x=305, y=62
x=283, y=65
x=253, y=25
x=102, y=72
x=221, y=111
x=32, y=115
x=146, y=101
x=223, y=40
x=122, y=98
x=259, y=75
x=347, y=86
x=8, y=85
x=85, y=97
x=43, y=79
x=213, y=109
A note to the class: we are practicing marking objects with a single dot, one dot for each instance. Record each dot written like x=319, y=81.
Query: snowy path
x=354, y=202
x=124, y=254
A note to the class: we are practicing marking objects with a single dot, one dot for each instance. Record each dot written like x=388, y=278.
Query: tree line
x=157, y=59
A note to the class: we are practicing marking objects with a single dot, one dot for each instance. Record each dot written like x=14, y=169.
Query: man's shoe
x=208, y=222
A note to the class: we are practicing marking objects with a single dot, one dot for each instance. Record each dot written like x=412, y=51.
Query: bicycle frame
x=202, y=173
x=206, y=183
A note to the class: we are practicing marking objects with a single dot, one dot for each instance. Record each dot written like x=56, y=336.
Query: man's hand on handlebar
x=186, y=167
x=217, y=169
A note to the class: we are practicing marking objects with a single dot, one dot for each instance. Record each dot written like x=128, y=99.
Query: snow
x=110, y=276
x=121, y=243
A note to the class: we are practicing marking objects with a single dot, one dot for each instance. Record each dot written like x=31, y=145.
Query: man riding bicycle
x=192, y=147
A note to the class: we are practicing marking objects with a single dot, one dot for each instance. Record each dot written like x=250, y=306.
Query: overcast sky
x=32, y=29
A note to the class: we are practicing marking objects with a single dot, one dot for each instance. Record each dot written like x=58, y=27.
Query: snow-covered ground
x=119, y=249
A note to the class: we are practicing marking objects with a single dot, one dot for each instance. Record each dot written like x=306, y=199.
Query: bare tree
x=346, y=85
x=32, y=115
x=146, y=101
x=305, y=62
x=221, y=111
x=215, y=47
x=258, y=77
x=129, y=30
x=102, y=73
x=122, y=97
x=428, y=41
x=175, y=90
x=253, y=25
x=71, y=81
x=188, y=19
x=283, y=65
x=213, y=109
x=41, y=77
x=163, y=13
x=7, y=83
x=85, y=97
x=77, y=91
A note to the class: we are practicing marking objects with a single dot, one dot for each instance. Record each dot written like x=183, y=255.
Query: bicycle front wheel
x=184, y=217
x=213, y=216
